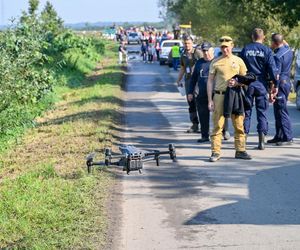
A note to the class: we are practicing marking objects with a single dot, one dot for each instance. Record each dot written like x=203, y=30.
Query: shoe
x=261, y=141
x=204, y=139
x=193, y=129
x=226, y=135
x=284, y=143
x=274, y=140
x=214, y=157
x=242, y=155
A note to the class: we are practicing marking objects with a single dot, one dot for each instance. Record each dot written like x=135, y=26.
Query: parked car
x=236, y=51
x=297, y=78
x=165, y=49
x=133, y=37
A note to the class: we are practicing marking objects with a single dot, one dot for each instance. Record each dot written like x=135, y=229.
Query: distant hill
x=101, y=25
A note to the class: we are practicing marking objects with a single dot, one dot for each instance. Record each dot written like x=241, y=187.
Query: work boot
x=226, y=135
x=193, y=129
x=242, y=155
x=203, y=139
x=261, y=141
x=214, y=157
x=274, y=140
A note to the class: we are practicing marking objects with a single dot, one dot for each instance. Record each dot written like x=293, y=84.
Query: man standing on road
x=259, y=61
x=198, y=89
x=175, y=52
x=283, y=60
x=221, y=71
x=188, y=59
x=144, y=50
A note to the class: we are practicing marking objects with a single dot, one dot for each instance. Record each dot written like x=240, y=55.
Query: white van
x=165, y=49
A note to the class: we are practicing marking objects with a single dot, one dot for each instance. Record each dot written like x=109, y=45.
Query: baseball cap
x=205, y=46
x=226, y=41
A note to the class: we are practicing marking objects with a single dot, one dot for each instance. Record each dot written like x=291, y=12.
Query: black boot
x=274, y=140
x=261, y=141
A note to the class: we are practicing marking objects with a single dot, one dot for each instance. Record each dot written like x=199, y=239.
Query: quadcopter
x=131, y=158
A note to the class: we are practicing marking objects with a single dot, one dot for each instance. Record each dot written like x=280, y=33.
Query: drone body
x=131, y=158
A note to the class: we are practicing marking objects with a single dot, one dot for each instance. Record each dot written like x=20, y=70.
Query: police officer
x=187, y=61
x=198, y=88
x=283, y=59
x=260, y=61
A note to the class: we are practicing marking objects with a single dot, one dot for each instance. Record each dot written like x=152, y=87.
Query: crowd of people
x=229, y=86
x=150, y=44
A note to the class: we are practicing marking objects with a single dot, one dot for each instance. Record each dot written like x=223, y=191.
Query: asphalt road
x=195, y=204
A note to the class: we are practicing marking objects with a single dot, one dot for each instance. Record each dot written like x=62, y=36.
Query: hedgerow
x=35, y=51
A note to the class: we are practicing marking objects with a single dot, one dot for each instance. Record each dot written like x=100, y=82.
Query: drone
x=131, y=158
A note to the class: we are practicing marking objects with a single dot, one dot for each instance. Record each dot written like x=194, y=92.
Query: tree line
x=237, y=18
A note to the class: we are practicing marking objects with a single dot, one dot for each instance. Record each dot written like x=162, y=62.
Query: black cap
x=205, y=46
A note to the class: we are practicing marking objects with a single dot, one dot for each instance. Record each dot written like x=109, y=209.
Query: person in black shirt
x=198, y=88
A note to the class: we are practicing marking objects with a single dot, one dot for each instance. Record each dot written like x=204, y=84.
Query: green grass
x=48, y=201
x=41, y=210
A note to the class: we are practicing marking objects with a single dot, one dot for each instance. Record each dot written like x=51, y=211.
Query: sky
x=75, y=11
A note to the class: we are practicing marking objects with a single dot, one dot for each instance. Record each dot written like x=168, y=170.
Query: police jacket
x=283, y=59
x=235, y=101
x=198, y=82
x=260, y=61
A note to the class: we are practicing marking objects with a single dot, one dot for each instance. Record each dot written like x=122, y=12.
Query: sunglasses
x=225, y=40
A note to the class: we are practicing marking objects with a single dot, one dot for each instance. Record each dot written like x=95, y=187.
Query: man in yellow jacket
x=175, y=56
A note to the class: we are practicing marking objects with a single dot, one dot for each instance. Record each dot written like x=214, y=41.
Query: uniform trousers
x=282, y=119
x=203, y=114
x=192, y=105
x=218, y=122
x=257, y=91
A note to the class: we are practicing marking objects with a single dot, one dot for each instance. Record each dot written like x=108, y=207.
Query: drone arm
x=157, y=153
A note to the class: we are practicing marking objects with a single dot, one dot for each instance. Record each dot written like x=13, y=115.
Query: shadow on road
x=274, y=199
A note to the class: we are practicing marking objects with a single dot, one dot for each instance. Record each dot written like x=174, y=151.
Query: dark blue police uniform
x=198, y=87
x=283, y=59
x=260, y=61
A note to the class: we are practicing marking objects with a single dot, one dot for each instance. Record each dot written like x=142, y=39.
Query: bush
x=33, y=55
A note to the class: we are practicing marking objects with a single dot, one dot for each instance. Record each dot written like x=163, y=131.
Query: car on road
x=133, y=37
x=165, y=49
x=236, y=51
x=297, y=78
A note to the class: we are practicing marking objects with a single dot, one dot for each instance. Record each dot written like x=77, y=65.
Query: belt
x=219, y=92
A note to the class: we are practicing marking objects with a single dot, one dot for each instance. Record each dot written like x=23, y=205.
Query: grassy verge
x=47, y=199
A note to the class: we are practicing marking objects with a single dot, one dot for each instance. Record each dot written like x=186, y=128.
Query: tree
x=33, y=7
x=50, y=20
x=237, y=18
